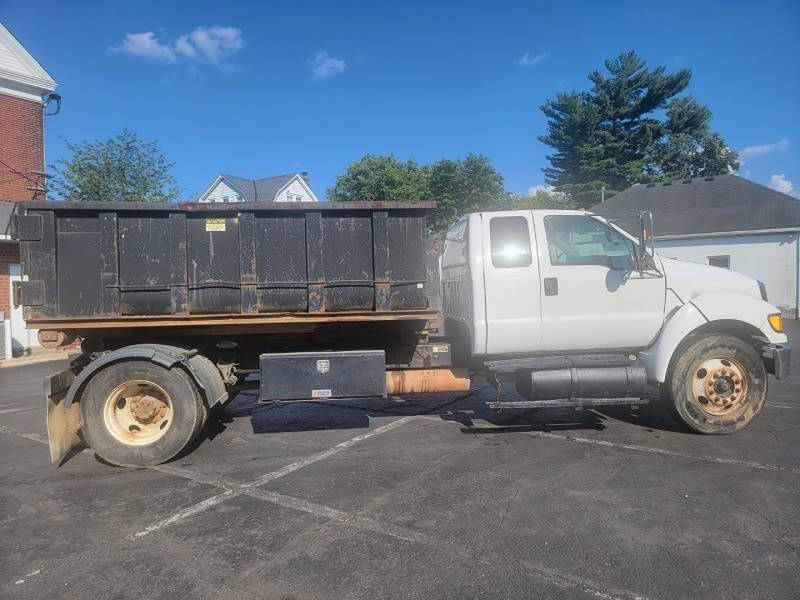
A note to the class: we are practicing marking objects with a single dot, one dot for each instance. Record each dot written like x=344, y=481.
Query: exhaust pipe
x=427, y=381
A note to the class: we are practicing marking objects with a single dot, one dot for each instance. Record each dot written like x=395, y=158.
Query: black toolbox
x=322, y=375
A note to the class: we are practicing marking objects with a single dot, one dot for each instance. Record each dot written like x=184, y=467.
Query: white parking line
x=780, y=405
x=319, y=510
x=247, y=487
x=13, y=410
x=329, y=452
x=231, y=490
x=34, y=437
x=552, y=576
x=715, y=459
x=186, y=512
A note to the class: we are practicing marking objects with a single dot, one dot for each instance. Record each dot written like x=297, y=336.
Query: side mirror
x=645, y=235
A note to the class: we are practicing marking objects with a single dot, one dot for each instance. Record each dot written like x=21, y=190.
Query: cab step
x=543, y=363
x=568, y=402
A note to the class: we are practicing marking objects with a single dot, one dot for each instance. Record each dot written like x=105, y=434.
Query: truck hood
x=689, y=280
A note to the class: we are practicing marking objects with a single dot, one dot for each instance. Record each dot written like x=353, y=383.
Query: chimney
x=306, y=178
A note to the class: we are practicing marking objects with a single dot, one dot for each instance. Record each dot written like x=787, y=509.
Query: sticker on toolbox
x=321, y=393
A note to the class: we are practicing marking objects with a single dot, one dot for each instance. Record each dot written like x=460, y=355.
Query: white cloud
x=536, y=188
x=212, y=45
x=781, y=184
x=764, y=149
x=324, y=66
x=183, y=46
x=145, y=45
x=526, y=60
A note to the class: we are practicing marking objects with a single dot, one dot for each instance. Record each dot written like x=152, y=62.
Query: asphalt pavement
x=415, y=497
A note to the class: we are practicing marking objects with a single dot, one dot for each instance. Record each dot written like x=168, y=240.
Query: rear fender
x=201, y=369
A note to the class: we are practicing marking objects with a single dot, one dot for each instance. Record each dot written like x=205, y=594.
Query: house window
x=225, y=198
x=720, y=261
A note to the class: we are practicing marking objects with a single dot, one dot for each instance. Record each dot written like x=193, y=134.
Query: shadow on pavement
x=469, y=410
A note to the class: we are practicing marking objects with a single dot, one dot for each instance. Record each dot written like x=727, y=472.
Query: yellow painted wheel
x=138, y=412
x=720, y=386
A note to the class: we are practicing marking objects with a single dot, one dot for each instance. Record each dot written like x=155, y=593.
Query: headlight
x=763, y=289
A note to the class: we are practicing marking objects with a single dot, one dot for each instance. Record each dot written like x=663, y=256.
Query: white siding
x=222, y=190
x=771, y=258
x=295, y=188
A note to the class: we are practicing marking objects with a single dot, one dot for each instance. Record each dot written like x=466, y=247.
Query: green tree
x=376, y=178
x=121, y=169
x=458, y=186
x=462, y=186
x=630, y=127
x=540, y=199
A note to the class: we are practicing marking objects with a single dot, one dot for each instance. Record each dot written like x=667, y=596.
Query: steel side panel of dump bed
x=105, y=261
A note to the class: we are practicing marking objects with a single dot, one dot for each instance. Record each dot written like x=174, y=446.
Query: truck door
x=511, y=283
x=593, y=297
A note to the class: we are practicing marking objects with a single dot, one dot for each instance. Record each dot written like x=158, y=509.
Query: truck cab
x=555, y=284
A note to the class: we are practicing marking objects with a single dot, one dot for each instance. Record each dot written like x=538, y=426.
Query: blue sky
x=262, y=88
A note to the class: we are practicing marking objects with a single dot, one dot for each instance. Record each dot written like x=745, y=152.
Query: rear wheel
x=718, y=384
x=136, y=413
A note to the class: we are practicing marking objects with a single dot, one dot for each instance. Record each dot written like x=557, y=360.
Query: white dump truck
x=179, y=306
x=581, y=313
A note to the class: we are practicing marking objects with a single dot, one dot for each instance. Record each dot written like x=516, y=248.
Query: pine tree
x=630, y=127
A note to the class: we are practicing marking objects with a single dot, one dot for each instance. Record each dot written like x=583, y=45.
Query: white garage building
x=725, y=221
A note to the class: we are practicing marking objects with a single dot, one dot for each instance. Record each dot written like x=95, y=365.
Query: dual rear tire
x=136, y=413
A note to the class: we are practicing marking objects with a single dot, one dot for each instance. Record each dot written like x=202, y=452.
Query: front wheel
x=136, y=413
x=718, y=384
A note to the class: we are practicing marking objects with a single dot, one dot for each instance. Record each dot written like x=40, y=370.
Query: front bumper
x=776, y=359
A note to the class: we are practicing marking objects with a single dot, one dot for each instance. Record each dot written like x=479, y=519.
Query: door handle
x=550, y=286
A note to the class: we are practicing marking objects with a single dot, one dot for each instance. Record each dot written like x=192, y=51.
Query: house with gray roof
x=292, y=187
x=725, y=221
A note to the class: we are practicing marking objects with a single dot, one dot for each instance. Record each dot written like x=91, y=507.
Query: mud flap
x=63, y=424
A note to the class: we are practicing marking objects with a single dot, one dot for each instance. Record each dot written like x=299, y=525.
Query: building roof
x=20, y=74
x=711, y=205
x=6, y=210
x=260, y=190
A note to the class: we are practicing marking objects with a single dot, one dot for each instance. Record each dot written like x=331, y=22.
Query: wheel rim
x=720, y=386
x=138, y=412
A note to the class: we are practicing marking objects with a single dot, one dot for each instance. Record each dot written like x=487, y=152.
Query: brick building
x=23, y=86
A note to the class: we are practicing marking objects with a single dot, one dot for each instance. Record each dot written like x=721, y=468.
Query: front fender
x=701, y=310
x=681, y=323
x=739, y=307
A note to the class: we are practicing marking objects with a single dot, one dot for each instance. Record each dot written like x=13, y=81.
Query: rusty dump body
x=98, y=269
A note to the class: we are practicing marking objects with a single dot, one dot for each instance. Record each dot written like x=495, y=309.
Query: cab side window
x=579, y=240
x=455, y=244
x=510, y=241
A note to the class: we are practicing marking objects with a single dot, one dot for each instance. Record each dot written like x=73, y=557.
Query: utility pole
x=603, y=194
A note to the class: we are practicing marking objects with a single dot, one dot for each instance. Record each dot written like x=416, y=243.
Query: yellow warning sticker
x=215, y=224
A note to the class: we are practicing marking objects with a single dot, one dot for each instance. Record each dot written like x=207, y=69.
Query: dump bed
x=93, y=264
